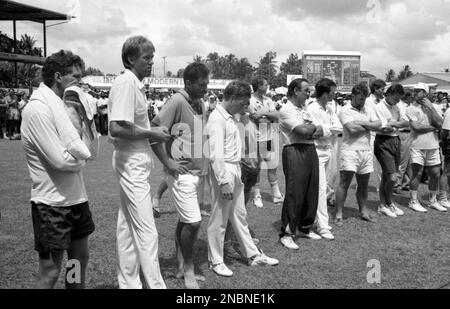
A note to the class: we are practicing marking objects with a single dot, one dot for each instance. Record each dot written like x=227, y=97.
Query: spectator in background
x=13, y=117
x=102, y=107
x=3, y=115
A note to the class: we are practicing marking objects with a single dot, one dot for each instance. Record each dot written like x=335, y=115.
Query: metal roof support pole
x=45, y=38
x=15, y=49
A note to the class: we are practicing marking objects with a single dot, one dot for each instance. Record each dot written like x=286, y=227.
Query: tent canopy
x=10, y=10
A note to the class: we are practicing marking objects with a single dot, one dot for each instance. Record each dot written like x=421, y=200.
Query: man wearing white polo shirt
x=137, y=238
x=356, y=152
x=322, y=114
x=425, y=121
x=388, y=147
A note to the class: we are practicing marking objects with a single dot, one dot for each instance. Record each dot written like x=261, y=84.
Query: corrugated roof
x=10, y=10
x=331, y=53
x=439, y=75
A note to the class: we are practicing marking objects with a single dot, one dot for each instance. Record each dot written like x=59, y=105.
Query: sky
x=388, y=33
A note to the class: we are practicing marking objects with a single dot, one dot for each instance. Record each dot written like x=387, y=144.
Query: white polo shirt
x=387, y=113
x=428, y=141
x=327, y=119
x=291, y=117
x=127, y=102
x=361, y=141
x=265, y=130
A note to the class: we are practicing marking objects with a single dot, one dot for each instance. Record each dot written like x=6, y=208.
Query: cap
x=422, y=86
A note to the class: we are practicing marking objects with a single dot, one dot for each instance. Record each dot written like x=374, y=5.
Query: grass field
x=414, y=251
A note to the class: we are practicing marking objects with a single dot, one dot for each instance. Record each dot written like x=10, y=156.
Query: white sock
x=433, y=196
x=276, y=190
x=442, y=195
x=414, y=195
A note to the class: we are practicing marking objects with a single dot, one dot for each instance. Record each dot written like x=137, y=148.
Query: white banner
x=291, y=78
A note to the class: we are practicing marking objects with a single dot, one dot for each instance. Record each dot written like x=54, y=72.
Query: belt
x=405, y=131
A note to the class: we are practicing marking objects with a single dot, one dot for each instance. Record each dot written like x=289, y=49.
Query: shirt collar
x=291, y=105
x=226, y=115
x=136, y=80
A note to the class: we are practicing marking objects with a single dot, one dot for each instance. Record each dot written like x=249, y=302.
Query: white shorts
x=359, y=162
x=185, y=192
x=427, y=158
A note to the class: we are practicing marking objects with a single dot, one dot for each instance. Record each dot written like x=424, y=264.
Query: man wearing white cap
x=425, y=122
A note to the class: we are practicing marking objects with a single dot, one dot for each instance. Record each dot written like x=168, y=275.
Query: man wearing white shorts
x=185, y=116
x=137, y=238
x=356, y=152
x=425, y=121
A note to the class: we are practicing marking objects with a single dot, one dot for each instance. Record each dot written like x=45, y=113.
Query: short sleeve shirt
x=360, y=141
x=387, y=113
x=291, y=117
x=265, y=130
x=127, y=103
x=186, y=125
x=428, y=141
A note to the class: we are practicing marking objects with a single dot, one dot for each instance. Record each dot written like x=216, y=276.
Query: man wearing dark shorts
x=62, y=220
x=388, y=147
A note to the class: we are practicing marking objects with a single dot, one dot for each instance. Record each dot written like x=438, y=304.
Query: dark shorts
x=56, y=227
x=388, y=153
x=249, y=177
x=446, y=151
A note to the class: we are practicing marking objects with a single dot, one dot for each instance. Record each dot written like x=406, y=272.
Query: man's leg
x=341, y=194
x=389, y=184
x=417, y=171
x=322, y=219
x=49, y=270
x=434, y=173
x=362, y=195
x=79, y=251
x=186, y=237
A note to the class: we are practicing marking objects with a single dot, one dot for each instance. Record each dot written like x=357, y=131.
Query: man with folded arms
x=356, y=152
x=227, y=190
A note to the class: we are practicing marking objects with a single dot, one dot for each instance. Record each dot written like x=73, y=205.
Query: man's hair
x=132, y=49
x=378, y=84
x=237, y=90
x=407, y=95
x=61, y=62
x=257, y=82
x=195, y=71
x=396, y=89
x=296, y=83
x=324, y=86
x=360, y=89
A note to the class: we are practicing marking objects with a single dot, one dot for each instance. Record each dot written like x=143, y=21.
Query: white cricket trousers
x=234, y=211
x=322, y=218
x=137, y=237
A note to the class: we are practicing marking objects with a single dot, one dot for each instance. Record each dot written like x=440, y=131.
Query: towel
x=68, y=134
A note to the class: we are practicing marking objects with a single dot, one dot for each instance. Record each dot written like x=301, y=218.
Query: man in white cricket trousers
x=130, y=131
x=227, y=188
x=321, y=114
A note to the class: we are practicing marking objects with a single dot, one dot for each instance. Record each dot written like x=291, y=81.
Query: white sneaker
x=278, y=200
x=289, y=243
x=415, y=205
x=397, y=210
x=310, y=235
x=387, y=211
x=257, y=201
x=435, y=205
x=263, y=260
x=327, y=235
x=444, y=203
x=222, y=270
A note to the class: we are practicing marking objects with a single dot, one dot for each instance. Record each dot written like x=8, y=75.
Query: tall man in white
x=322, y=114
x=227, y=188
x=137, y=238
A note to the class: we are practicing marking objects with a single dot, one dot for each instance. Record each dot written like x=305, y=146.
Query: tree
x=92, y=72
x=292, y=66
x=198, y=58
x=447, y=71
x=390, y=76
x=267, y=67
x=180, y=73
x=405, y=73
x=169, y=74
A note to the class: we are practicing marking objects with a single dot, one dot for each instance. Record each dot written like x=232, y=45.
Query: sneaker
x=263, y=260
x=416, y=206
x=327, y=235
x=437, y=206
x=387, y=211
x=289, y=243
x=444, y=203
x=397, y=210
x=310, y=235
x=257, y=201
x=222, y=270
x=278, y=200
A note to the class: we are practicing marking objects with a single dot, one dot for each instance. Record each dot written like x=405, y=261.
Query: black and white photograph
x=239, y=147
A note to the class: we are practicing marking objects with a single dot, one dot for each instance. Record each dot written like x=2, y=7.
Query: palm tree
x=27, y=44
x=390, y=76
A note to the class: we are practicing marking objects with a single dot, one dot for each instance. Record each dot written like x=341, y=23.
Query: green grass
x=414, y=251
